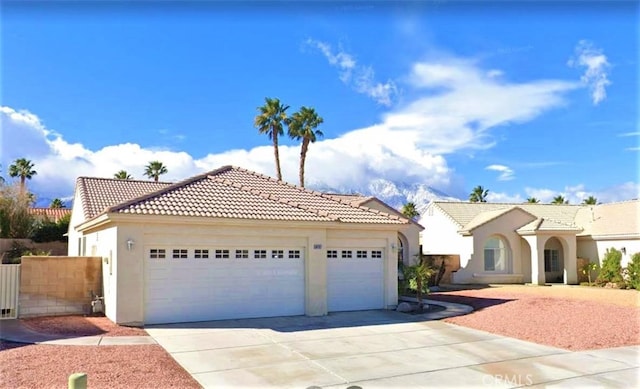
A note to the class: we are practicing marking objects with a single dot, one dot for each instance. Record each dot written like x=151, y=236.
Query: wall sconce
x=624, y=251
x=130, y=244
x=393, y=246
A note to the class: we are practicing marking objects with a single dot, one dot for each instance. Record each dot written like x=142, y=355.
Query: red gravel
x=567, y=319
x=47, y=366
x=80, y=326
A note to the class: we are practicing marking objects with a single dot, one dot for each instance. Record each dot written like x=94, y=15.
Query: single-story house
x=521, y=243
x=232, y=243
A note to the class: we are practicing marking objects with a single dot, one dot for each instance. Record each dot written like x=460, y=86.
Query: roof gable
x=488, y=216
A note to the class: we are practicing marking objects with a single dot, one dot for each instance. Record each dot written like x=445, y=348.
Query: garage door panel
x=199, y=289
x=355, y=283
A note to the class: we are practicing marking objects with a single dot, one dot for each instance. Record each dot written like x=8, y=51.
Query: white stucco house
x=232, y=243
x=521, y=243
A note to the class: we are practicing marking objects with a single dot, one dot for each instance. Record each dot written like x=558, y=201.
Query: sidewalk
x=15, y=331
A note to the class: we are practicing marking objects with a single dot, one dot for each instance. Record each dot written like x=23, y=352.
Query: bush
x=51, y=232
x=633, y=270
x=611, y=270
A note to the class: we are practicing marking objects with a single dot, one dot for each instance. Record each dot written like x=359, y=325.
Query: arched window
x=495, y=255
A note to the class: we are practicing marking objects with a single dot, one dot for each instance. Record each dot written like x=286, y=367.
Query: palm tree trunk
x=22, y=183
x=303, y=157
x=156, y=177
x=277, y=155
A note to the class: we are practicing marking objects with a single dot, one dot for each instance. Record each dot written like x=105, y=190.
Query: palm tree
x=57, y=203
x=479, y=195
x=22, y=168
x=590, y=201
x=155, y=169
x=122, y=175
x=409, y=210
x=533, y=200
x=559, y=199
x=270, y=121
x=302, y=126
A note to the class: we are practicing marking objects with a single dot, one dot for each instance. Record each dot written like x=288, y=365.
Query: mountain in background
x=396, y=194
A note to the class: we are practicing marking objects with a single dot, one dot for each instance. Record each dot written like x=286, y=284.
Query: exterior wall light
x=130, y=244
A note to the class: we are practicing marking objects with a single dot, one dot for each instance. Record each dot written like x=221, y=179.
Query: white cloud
x=362, y=78
x=597, y=67
x=456, y=107
x=496, y=197
x=637, y=133
x=506, y=173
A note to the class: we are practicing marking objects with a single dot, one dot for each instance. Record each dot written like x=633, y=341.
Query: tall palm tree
x=590, y=201
x=122, y=175
x=532, y=200
x=155, y=169
x=270, y=121
x=409, y=210
x=559, y=199
x=57, y=203
x=302, y=126
x=479, y=195
x=22, y=168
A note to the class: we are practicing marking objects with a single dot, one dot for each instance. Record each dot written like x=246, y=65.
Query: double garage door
x=198, y=284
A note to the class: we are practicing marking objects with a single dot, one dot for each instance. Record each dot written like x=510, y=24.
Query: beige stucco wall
x=504, y=227
x=595, y=250
x=77, y=217
x=124, y=287
x=52, y=285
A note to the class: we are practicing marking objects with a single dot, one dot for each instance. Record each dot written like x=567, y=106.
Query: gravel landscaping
x=80, y=326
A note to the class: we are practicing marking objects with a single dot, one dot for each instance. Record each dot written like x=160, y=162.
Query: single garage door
x=355, y=279
x=184, y=284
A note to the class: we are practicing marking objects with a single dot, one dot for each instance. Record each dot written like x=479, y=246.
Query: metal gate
x=9, y=291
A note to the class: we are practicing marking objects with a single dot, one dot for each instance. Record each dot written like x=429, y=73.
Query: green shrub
x=611, y=270
x=588, y=268
x=50, y=231
x=633, y=270
x=417, y=277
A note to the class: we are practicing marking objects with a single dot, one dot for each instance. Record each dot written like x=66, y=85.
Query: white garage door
x=355, y=279
x=199, y=284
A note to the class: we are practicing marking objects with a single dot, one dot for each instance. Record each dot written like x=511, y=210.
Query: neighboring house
x=50, y=214
x=537, y=243
x=232, y=243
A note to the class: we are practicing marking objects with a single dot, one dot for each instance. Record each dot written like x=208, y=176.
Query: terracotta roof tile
x=228, y=192
x=53, y=214
x=98, y=194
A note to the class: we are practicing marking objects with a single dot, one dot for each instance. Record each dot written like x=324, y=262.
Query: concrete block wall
x=56, y=285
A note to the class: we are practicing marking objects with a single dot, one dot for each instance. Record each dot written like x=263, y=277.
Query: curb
x=452, y=309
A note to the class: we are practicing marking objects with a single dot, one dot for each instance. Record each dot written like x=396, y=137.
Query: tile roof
x=53, y=214
x=98, y=194
x=232, y=192
x=621, y=218
x=355, y=199
x=553, y=216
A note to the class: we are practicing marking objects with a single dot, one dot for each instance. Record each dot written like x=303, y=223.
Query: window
x=157, y=253
x=376, y=254
x=242, y=253
x=222, y=254
x=277, y=254
x=332, y=253
x=346, y=254
x=361, y=254
x=551, y=260
x=294, y=254
x=199, y=253
x=495, y=255
x=260, y=254
x=180, y=253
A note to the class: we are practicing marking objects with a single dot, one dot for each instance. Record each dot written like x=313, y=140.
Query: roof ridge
x=82, y=189
x=120, y=179
x=166, y=189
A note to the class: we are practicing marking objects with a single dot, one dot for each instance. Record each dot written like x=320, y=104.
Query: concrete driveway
x=380, y=349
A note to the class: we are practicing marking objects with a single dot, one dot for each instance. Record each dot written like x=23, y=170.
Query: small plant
x=418, y=276
x=611, y=270
x=633, y=269
x=588, y=268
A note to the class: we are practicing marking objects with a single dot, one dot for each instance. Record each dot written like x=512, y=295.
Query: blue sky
x=526, y=99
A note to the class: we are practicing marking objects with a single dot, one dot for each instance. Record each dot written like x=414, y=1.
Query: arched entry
x=402, y=250
x=553, y=261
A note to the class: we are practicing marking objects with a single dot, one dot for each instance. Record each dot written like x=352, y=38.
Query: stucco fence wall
x=57, y=285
